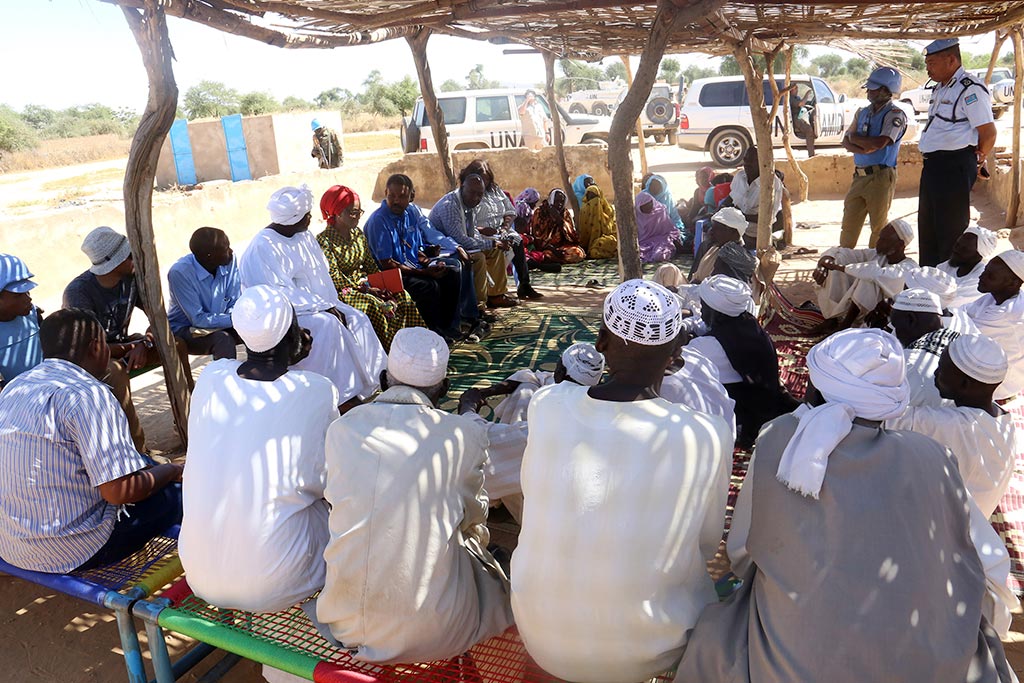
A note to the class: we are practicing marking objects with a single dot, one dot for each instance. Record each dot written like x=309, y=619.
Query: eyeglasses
x=355, y=213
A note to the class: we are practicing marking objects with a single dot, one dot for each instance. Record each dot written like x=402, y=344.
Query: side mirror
x=842, y=98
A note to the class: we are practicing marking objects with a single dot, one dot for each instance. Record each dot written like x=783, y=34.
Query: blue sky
x=60, y=53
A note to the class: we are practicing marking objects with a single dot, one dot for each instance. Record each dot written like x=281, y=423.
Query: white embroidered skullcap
x=725, y=294
x=668, y=275
x=986, y=240
x=583, y=363
x=261, y=317
x=418, y=357
x=860, y=373
x=979, y=357
x=288, y=205
x=903, y=230
x=1014, y=259
x=643, y=312
x=731, y=217
x=106, y=249
x=938, y=282
x=917, y=300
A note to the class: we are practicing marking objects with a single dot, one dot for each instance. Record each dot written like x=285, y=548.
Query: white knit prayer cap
x=986, y=240
x=938, y=282
x=418, y=357
x=860, y=373
x=261, y=317
x=979, y=357
x=731, y=217
x=106, y=249
x=288, y=205
x=725, y=294
x=903, y=230
x=643, y=312
x=583, y=363
x=917, y=300
x=1015, y=260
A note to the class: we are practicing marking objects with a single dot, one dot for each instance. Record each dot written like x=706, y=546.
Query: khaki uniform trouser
x=869, y=195
x=489, y=275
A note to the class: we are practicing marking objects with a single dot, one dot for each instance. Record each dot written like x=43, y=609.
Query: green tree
x=1006, y=59
x=669, y=70
x=38, y=116
x=729, y=66
x=475, y=79
x=578, y=76
x=616, y=70
x=257, y=103
x=693, y=72
x=292, y=103
x=857, y=67
x=403, y=94
x=829, y=65
x=329, y=99
x=451, y=85
x=15, y=134
x=210, y=98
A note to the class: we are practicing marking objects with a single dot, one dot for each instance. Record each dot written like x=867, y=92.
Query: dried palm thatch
x=589, y=28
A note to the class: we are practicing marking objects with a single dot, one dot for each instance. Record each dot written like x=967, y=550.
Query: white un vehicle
x=489, y=119
x=1001, y=89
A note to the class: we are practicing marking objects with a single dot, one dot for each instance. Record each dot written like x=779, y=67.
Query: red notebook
x=390, y=280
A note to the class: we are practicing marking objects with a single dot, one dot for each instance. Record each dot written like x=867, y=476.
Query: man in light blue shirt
x=204, y=286
x=19, y=320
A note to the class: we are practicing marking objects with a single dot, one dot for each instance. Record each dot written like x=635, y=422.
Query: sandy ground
x=49, y=637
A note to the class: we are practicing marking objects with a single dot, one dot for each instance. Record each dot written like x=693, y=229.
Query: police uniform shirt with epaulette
x=958, y=108
x=891, y=122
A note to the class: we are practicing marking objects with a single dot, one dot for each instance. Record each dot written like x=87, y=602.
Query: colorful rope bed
x=118, y=587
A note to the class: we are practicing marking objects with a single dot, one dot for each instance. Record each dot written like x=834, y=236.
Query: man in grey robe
x=854, y=545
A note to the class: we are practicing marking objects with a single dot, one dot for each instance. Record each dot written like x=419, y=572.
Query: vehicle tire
x=593, y=140
x=728, y=147
x=673, y=137
x=998, y=113
x=659, y=138
x=600, y=109
x=410, y=135
x=660, y=111
x=577, y=108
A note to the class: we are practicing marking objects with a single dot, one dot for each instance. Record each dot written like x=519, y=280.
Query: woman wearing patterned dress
x=350, y=261
x=555, y=239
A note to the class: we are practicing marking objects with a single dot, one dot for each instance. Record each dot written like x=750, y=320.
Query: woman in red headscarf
x=350, y=261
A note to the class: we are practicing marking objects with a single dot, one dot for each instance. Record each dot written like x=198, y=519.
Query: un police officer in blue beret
x=955, y=142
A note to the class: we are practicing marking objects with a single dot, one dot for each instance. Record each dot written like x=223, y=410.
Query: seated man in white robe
x=693, y=381
x=287, y=257
x=409, y=578
x=999, y=314
x=855, y=545
x=727, y=226
x=625, y=499
x=852, y=282
x=916, y=319
x=979, y=433
x=943, y=285
x=745, y=195
x=971, y=253
x=255, y=519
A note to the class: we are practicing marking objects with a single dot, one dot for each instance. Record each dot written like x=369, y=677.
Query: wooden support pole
x=763, y=136
x=641, y=148
x=1001, y=37
x=418, y=45
x=670, y=16
x=1018, y=93
x=799, y=181
x=556, y=132
x=149, y=25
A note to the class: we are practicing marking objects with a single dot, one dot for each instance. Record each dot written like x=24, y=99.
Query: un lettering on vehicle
x=506, y=139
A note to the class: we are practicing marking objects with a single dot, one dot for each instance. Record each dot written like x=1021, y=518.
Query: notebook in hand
x=390, y=280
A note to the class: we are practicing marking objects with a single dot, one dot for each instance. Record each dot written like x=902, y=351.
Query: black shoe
x=488, y=317
x=528, y=292
x=547, y=267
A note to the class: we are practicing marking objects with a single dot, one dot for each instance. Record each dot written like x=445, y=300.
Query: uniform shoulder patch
x=970, y=99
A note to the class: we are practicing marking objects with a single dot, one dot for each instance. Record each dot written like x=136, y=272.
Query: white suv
x=489, y=119
x=715, y=116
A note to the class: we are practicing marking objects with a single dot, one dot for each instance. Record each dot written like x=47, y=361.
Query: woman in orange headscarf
x=350, y=261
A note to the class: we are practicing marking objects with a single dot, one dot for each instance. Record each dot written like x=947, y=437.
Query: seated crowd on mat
x=323, y=465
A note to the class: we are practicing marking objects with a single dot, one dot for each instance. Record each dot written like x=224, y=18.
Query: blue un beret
x=940, y=45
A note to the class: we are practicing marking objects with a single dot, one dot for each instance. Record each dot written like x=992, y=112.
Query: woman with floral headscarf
x=655, y=231
x=554, y=234
x=598, y=235
x=350, y=262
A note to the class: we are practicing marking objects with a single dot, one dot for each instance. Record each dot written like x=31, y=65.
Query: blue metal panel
x=181, y=148
x=238, y=157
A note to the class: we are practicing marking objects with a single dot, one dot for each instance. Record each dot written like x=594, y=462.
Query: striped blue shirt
x=62, y=434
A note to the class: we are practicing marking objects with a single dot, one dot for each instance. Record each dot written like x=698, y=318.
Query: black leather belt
x=868, y=170
x=950, y=152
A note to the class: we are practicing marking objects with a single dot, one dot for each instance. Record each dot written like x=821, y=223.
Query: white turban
x=288, y=205
x=583, y=363
x=979, y=357
x=261, y=317
x=860, y=373
x=731, y=217
x=938, y=282
x=643, y=312
x=903, y=230
x=917, y=300
x=726, y=295
x=1015, y=260
x=418, y=357
x=668, y=275
x=986, y=240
